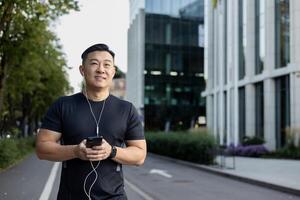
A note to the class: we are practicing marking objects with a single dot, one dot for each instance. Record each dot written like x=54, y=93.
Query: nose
x=100, y=68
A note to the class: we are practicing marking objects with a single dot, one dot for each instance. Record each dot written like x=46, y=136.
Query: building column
x=295, y=105
x=136, y=64
x=269, y=114
x=208, y=43
x=250, y=110
x=209, y=112
x=250, y=37
x=235, y=35
x=295, y=62
x=269, y=84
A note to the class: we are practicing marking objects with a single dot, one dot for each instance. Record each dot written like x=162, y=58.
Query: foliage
x=195, y=147
x=252, y=141
x=292, y=137
x=32, y=65
x=255, y=150
x=119, y=73
x=11, y=150
x=285, y=153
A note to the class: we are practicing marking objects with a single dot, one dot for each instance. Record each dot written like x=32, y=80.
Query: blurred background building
x=252, y=69
x=118, y=87
x=165, y=75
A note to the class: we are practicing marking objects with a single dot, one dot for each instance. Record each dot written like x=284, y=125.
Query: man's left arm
x=133, y=154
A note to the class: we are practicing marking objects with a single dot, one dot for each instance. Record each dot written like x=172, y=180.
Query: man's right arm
x=48, y=147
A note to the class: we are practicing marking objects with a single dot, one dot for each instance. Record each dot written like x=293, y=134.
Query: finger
x=100, y=147
x=92, y=152
x=96, y=157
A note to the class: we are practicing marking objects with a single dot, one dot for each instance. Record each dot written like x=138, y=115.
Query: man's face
x=98, y=69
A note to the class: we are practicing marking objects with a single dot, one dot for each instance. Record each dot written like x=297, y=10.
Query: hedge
x=12, y=150
x=195, y=147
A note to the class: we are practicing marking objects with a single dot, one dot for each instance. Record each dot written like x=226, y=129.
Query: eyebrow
x=106, y=60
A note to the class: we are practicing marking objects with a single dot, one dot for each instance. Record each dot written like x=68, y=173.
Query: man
x=96, y=172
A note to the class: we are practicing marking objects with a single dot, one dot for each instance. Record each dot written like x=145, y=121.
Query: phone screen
x=93, y=141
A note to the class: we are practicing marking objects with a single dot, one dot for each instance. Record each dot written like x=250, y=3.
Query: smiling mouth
x=100, y=78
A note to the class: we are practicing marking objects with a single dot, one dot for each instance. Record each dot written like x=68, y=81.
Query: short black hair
x=96, y=47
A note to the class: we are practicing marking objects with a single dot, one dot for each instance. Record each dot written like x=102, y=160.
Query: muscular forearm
x=55, y=152
x=131, y=155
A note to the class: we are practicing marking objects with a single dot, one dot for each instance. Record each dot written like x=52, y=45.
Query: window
x=282, y=107
x=259, y=110
x=225, y=119
x=225, y=42
x=242, y=113
x=282, y=31
x=259, y=36
x=242, y=38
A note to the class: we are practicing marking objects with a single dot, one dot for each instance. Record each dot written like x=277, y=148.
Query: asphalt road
x=162, y=179
x=158, y=179
x=26, y=180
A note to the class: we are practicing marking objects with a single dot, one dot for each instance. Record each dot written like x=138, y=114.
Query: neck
x=96, y=95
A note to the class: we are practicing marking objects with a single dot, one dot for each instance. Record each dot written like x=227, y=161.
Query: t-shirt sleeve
x=52, y=119
x=135, y=130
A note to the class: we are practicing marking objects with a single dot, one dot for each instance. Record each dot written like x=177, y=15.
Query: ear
x=81, y=69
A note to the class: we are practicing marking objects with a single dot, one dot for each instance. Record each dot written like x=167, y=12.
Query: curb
x=232, y=176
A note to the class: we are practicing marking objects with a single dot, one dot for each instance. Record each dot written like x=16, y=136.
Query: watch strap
x=113, y=152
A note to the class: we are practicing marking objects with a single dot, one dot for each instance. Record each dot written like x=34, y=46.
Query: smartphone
x=93, y=141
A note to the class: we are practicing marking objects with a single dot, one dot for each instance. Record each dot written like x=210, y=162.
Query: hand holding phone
x=93, y=141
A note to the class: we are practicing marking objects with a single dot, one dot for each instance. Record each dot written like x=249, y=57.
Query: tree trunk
x=5, y=21
x=2, y=81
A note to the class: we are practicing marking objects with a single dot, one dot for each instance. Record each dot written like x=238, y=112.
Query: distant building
x=118, y=87
x=165, y=65
x=252, y=68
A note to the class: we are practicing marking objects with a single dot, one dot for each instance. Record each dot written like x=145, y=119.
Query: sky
x=98, y=21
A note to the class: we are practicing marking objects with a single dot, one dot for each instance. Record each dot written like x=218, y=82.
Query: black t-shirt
x=71, y=116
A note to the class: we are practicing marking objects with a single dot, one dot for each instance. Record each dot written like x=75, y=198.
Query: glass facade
x=282, y=24
x=242, y=113
x=259, y=110
x=242, y=38
x=259, y=36
x=282, y=107
x=174, y=54
x=225, y=119
x=225, y=41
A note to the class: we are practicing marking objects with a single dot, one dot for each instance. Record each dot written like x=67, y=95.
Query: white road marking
x=161, y=172
x=137, y=190
x=49, y=184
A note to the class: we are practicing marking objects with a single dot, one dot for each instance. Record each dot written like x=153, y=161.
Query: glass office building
x=170, y=35
x=252, y=68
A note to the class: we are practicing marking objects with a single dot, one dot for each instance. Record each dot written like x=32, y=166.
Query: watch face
x=113, y=152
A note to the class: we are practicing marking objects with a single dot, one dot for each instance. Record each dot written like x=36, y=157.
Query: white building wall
x=250, y=67
x=135, y=6
x=235, y=49
x=295, y=75
x=214, y=70
x=269, y=84
x=135, y=71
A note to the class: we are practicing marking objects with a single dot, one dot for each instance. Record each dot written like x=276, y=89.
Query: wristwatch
x=113, y=152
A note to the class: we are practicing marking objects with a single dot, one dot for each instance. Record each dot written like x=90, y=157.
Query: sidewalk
x=278, y=174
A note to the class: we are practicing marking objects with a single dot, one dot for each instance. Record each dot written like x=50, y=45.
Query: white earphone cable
x=88, y=193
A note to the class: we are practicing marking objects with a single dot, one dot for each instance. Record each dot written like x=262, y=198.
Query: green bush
x=195, y=147
x=252, y=141
x=286, y=153
x=12, y=150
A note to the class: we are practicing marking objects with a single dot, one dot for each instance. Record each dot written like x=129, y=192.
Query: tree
x=15, y=16
x=32, y=65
